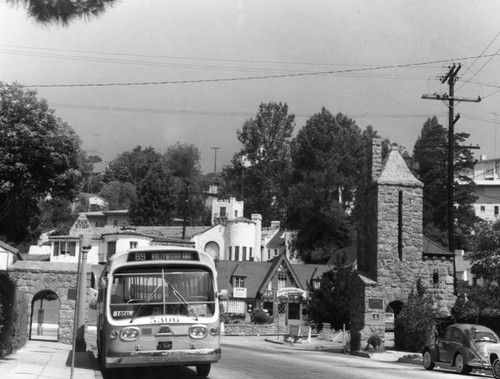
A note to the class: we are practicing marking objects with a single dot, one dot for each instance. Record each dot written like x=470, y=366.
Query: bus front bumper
x=162, y=357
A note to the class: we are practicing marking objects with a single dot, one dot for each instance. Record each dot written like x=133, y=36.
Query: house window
x=435, y=279
x=236, y=214
x=250, y=256
x=244, y=253
x=483, y=208
x=267, y=306
x=275, y=252
x=496, y=211
x=133, y=244
x=294, y=311
x=236, y=253
x=222, y=211
x=65, y=248
x=239, y=282
x=282, y=280
x=111, y=248
x=230, y=253
x=268, y=254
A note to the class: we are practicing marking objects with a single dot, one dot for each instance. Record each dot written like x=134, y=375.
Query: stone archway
x=392, y=311
x=44, y=322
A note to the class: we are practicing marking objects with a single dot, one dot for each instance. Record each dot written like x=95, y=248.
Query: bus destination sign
x=139, y=256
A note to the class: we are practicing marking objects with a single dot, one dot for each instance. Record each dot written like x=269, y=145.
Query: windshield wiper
x=183, y=300
x=150, y=298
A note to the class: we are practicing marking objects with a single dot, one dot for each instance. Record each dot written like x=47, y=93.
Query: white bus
x=159, y=306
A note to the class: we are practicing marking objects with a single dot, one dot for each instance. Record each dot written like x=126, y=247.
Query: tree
x=414, y=323
x=182, y=160
x=40, y=158
x=330, y=303
x=328, y=167
x=63, y=11
x=259, y=171
x=155, y=203
x=431, y=153
x=484, y=255
x=119, y=195
x=132, y=166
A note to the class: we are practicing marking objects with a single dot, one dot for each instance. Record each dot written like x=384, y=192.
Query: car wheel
x=203, y=370
x=427, y=360
x=495, y=368
x=460, y=365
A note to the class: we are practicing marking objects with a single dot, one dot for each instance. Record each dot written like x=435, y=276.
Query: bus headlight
x=129, y=334
x=198, y=332
x=113, y=334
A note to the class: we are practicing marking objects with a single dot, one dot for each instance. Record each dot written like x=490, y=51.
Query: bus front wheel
x=203, y=370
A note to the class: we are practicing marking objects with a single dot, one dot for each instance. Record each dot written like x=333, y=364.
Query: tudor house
x=277, y=286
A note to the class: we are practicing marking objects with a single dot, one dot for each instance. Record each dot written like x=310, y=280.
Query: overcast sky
x=371, y=60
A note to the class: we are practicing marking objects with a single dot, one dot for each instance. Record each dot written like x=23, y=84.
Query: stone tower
x=390, y=245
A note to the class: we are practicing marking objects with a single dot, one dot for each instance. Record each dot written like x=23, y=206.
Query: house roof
x=396, y=172
x=253, y=272
x=7, y=247
x=258, y=274
x=430, y=247
x=278, y=240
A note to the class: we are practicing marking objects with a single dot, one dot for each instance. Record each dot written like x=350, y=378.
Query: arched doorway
x=212, y=248
x=391, y=313
x=45, y=316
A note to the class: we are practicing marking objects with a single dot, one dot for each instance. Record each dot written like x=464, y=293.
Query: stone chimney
x=375, y=161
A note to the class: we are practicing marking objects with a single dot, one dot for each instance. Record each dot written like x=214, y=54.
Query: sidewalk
x=48, y=360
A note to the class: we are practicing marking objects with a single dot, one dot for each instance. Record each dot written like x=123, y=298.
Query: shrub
x=375, y=341
x=259, y=316
x=413, y=325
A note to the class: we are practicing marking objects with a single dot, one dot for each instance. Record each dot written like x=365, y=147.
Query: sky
x=194, y=71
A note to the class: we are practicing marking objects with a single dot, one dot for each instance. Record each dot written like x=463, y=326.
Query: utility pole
x=449, y=99
x=215, y=164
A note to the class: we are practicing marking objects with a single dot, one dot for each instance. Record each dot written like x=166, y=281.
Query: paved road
x=270, y=361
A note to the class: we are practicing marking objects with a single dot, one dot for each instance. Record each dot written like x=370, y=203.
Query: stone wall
x=254, y=330
x=60, y=278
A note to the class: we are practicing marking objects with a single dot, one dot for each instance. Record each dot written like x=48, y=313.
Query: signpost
x=79, y=344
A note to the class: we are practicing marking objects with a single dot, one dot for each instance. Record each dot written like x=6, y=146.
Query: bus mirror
x=223, y=294
x=93, y=299
x=102, y=283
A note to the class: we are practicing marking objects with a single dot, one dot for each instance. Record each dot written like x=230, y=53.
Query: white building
x=486, y=176
x=232, y=237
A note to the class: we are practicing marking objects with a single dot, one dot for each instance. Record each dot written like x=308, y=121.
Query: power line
x=289, y=75
x=223, y=113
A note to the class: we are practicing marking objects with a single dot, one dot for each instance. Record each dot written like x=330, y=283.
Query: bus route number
x=164, y=319
x=140, y=256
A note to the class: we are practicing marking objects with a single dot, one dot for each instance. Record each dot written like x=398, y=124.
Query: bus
x=158, y=306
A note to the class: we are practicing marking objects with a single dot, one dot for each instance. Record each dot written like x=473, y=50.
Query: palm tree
x=63, y=11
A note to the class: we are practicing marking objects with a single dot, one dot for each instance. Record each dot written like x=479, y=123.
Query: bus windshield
x=157, y=291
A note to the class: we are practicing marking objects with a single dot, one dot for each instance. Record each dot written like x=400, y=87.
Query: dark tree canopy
x=63, y=11
x=132, y=166
x=119, y=195
x=155, y=203
x=259, y=171
x=40, y=159
x=329, y=165
x=431, y=153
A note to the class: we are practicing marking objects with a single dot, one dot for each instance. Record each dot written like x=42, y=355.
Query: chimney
x=376, y=158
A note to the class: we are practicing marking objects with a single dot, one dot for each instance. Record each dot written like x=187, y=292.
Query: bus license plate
x=164, y=345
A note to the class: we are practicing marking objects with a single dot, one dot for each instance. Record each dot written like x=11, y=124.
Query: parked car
x=493, y=356
x=463, y=346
